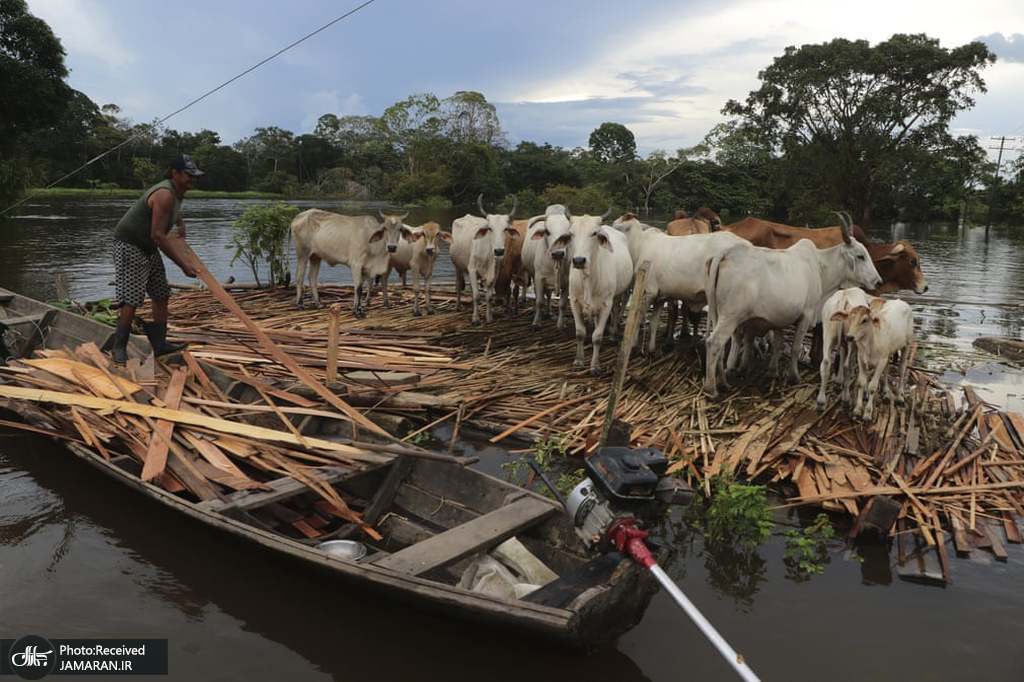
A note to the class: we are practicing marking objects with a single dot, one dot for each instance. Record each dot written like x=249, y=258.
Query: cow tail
x=712, y=268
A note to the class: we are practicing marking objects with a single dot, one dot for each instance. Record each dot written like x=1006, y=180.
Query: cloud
x=323, y=102
x=83, y=30
x=1007, y=48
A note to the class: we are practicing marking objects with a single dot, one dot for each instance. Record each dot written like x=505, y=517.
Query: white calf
x=424, y=252
x=834, y=332
x=878, y=330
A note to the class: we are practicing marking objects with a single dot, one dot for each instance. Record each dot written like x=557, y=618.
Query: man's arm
x=162, y=204
x=181, y=227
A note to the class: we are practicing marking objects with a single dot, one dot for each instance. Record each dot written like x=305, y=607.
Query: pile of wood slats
x=180, y=427
x=952, y=466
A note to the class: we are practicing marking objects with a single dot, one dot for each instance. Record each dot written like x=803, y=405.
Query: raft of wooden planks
x=954, y=466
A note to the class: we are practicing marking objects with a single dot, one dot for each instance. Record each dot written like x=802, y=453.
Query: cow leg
x=670, y=325
x=561, y=302
x=602, y=321
x=652, y=342
x=301, y=260
x=581, y=333
x=869, y=406
x=357, y=286
x=314, y=279
x=826, y=368
x=798, y=343
x=488, y=302
x=416, y=295
x=862, y=382
x=387, y=276
x=901, y=386
x=474, y=287
x=715, y=347
x=404, y=282
x=736, y=350
x=538, y=298
x=430, y=306
x=816, y=345
x=459, y=283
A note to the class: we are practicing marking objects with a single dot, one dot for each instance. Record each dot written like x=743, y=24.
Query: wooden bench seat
x=281, y=489
x=477, y=535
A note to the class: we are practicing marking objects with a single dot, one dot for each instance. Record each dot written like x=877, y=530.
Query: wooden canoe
x=434, y=516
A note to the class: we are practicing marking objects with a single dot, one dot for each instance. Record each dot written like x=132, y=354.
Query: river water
x=82, y=556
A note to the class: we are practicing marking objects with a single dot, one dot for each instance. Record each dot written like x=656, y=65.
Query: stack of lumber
x=950, y=466
x=184, y=432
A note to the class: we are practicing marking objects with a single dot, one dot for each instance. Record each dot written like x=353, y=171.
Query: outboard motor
x=607, y=507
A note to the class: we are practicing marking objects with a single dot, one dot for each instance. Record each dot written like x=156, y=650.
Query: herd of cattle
x=755, y=277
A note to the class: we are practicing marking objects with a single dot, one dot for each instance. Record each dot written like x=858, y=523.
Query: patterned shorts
x=137, y=273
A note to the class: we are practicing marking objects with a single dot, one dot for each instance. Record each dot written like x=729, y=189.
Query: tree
x=613, y=143
x=409, y=124
x=655, y=168
x=845, y=113
x=537, y=167
x=259, y=237
x=470, y=119
x=145, y=171
x=32, y=74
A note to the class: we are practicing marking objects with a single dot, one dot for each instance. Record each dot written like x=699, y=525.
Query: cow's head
x=859, y=270
x=627, y=222
x=900, y=268
x=391, y=230
x=499, y=229
x=859, y=323
x=710, y=217
x=431, y=234
x=550, y=227
x=586, y=234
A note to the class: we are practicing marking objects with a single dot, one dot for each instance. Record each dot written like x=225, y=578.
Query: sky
x=554, y=69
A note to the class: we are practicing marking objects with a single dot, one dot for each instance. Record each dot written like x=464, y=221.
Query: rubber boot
x=156, y=332
x=119, y=351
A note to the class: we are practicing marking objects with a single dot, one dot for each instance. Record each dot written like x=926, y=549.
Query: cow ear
x=895, y=252
x=408, y=234
x=603, y=240
x=415, y=235
x=541, y=233
x=482, y=232
x=877, y=321
x=838, y=316
x=445, y=236
x=377, y=235
x=512, y=232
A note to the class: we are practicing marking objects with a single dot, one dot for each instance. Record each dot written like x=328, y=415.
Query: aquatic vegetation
x=738, y=513
x=807, y=549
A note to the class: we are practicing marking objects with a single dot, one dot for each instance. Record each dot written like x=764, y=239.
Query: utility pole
x=995, y=181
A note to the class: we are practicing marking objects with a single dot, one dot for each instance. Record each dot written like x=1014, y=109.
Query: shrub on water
x=260, y=237
x=738, y=513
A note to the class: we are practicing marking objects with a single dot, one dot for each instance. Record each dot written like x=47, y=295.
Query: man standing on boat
x=140, y=236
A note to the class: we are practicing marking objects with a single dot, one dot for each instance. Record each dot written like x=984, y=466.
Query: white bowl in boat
x=344, y=549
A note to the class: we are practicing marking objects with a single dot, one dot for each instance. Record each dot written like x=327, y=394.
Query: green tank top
x=135, y=226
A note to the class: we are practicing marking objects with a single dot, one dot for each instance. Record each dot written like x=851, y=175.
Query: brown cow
x=680, y=227
x=705, y=213
x=512, y=278
x=897, y=263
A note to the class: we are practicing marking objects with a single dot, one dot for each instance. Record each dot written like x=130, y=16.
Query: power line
x=195, y=101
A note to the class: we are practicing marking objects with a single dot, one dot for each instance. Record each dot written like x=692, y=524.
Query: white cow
x=878, y=331
x=545, y=265
x=478, y=244
x=598, y=280
x=424, y=252
x=359, y=242
x=834, y=332
x=754, y=289
x=677, y=270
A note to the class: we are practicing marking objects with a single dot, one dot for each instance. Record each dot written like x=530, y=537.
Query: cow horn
x=536, y=219
x=381, y=212
x=844, y=225
x=606, y=213
x=568, y=213
x=403, y=216
x=515, y=205
x=480, y=204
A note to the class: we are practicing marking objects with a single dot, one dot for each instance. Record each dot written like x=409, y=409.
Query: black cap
x=186, y=164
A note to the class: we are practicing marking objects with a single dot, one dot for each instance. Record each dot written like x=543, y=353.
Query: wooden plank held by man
x=181, y=248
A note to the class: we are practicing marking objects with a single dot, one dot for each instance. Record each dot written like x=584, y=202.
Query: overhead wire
x=195, y=101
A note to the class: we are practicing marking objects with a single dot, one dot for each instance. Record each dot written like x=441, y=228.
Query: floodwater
x=83, y=556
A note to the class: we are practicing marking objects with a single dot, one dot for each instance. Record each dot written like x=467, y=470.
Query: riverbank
x=131, y=193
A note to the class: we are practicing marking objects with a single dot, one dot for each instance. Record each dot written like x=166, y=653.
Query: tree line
x=837, y=124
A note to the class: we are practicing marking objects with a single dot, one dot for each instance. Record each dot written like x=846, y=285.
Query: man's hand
x=188, y=270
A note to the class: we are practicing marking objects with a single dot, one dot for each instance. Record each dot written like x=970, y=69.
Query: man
x=140, y=236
